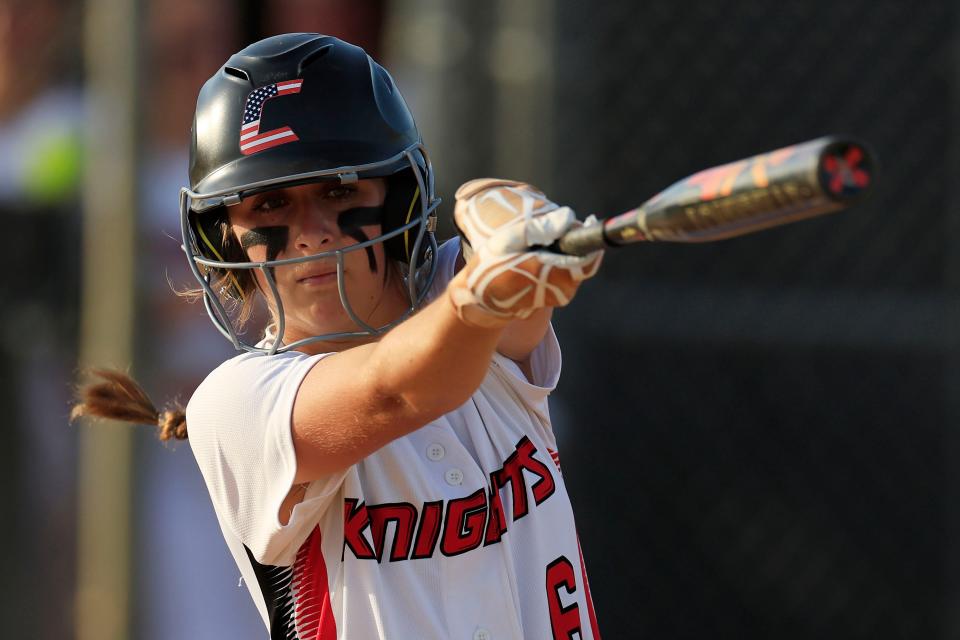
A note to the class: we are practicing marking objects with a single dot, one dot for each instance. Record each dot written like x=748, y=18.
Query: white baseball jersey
x=461, y=529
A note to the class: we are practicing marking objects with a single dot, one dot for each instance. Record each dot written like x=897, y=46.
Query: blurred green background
x=759, y=435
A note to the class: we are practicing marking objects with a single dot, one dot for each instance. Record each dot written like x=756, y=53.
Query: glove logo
x=251, y=140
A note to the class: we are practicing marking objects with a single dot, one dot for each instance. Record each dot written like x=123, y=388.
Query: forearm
x=521, y=337
x=434, y=361
x=358, y=400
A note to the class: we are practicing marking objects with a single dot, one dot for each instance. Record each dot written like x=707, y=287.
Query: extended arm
x=356, y=401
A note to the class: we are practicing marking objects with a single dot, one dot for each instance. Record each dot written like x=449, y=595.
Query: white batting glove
x=510, y=275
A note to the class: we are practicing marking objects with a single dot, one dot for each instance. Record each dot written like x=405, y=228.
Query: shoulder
x=247, y=385
x=246, y=370
x=239, y=420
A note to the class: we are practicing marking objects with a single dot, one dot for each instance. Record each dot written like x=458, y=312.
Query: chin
x=325, y=320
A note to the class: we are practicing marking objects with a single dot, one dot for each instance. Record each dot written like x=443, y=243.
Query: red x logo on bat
x=844, y=170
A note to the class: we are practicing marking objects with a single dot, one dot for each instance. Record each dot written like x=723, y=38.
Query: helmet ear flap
x=209, y=229
x=400, y=207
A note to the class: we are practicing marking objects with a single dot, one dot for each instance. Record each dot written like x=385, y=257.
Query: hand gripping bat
x=790, y=184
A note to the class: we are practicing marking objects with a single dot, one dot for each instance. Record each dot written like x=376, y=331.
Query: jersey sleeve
x=239, y=423
x=545, y=364
x=446, y=266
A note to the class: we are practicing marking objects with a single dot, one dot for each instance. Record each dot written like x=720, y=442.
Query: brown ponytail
x=118, y=397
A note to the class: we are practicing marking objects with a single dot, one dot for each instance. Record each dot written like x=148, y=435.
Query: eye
x=342, y=192
x=269, y=203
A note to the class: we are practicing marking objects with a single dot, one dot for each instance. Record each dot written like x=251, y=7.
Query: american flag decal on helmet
x=251, y=140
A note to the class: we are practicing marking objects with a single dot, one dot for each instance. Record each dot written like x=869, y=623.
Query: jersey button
x=436, y=451
x=481, y=634
x=454, y=477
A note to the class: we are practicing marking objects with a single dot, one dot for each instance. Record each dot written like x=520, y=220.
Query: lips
x=317, y=276
x=321, y=278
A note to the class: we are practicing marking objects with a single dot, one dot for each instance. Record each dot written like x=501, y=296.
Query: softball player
x=381, y=461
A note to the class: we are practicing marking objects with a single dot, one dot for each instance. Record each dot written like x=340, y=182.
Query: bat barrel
x=771, y=189
x=790, y=184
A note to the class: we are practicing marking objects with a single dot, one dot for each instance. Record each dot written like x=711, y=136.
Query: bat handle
x=581, y=241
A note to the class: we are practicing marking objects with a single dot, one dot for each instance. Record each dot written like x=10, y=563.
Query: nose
x=317, y=230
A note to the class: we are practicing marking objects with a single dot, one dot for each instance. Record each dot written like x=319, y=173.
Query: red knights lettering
x=463, y=526
x=458, y=525
x=429, y=531
x=497, y=522
x=355, y=520
x=512, y=472
x=405, y=515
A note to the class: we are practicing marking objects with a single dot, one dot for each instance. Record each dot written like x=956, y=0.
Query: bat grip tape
x=581, y=241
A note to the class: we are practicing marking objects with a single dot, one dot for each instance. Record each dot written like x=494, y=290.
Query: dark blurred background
x=757, y=434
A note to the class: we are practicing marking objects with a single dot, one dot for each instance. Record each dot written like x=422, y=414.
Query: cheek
x=252, y=254
x=374, y=231
x=256, y=253
x=372, y=256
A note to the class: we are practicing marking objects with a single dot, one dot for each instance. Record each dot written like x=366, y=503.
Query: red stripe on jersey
x=586, y=594
x=311, y=592
x=555, y=456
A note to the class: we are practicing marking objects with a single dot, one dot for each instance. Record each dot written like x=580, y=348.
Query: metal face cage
x=417, y=278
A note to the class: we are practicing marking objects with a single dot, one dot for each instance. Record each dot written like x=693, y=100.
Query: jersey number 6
x=565, y=621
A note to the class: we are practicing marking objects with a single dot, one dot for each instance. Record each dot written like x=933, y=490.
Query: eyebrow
x=325, y=186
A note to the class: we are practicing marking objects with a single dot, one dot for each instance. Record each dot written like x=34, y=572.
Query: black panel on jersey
x=277, y=595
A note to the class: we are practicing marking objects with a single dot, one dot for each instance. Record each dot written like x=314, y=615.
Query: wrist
x=468, y=308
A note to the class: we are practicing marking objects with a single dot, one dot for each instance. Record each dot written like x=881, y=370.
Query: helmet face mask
x=342, y=120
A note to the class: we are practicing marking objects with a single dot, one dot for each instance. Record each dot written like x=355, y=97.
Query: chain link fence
x=649, y=93
x=759, y=437
x=757, y=434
